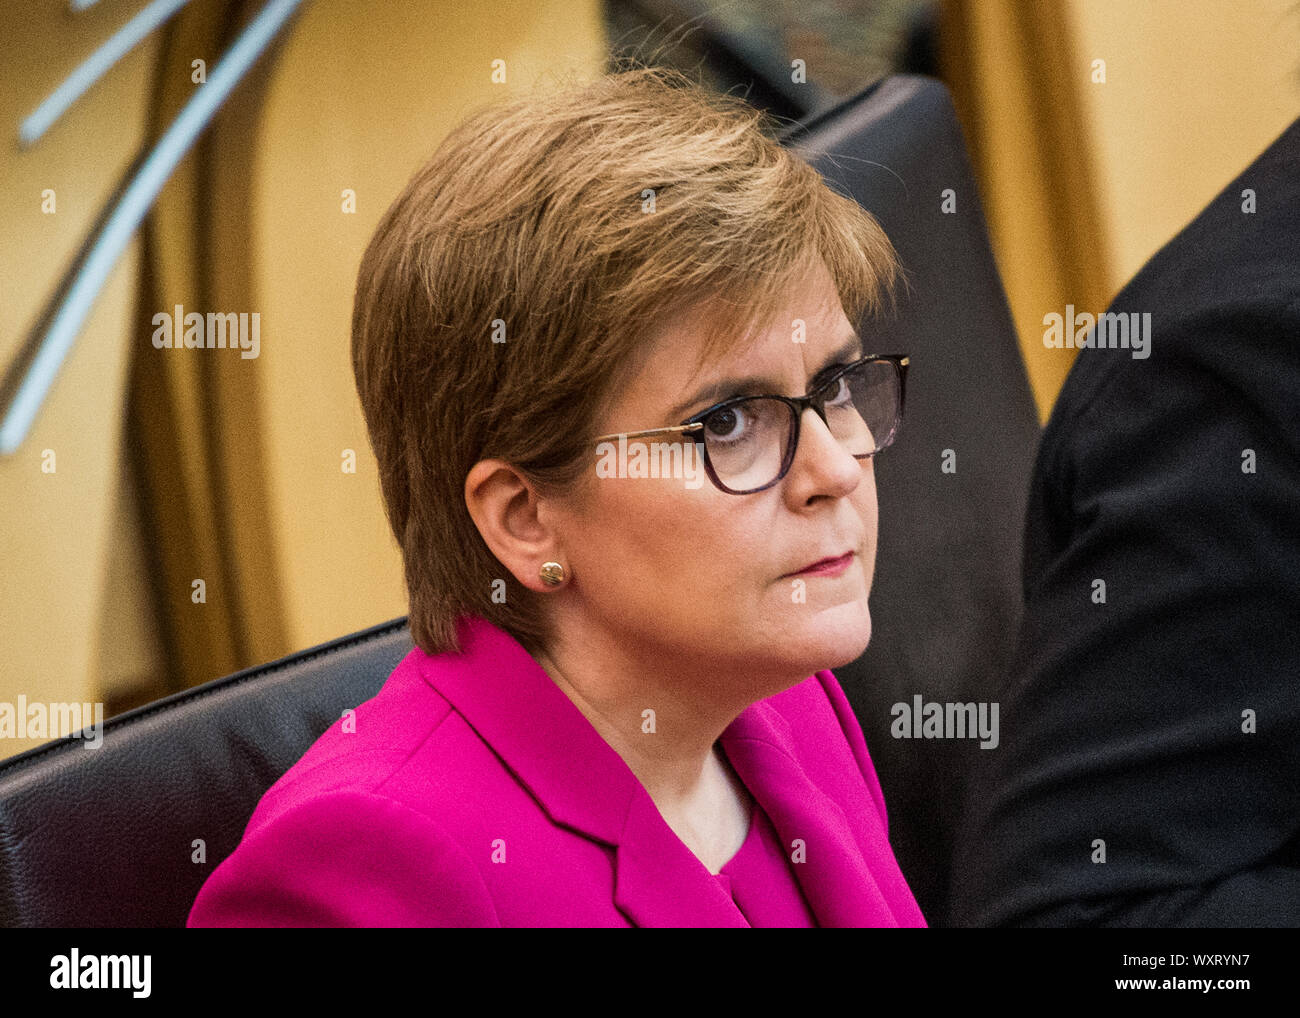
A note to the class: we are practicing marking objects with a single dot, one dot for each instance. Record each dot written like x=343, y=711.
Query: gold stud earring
x=552, y=574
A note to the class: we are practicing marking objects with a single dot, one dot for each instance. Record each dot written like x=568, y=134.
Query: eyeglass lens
x=747, y=442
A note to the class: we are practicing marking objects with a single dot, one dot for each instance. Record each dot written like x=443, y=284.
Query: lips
x=826, y=565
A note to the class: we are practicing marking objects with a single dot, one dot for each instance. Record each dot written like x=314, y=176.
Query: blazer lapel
x=835, y=876
x=660, y=882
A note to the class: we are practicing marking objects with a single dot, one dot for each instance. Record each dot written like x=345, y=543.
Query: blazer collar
x=582, y=783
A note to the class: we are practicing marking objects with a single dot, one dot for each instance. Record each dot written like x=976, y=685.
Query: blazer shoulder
x=345, y=858
x=366, y=746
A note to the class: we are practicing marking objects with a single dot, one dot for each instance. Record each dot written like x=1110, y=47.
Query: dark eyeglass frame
x=815, y=400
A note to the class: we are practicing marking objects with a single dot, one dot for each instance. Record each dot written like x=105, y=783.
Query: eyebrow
x=759, y=386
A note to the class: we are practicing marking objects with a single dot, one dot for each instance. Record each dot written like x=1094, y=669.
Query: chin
x=831, y=638
x=847, y=631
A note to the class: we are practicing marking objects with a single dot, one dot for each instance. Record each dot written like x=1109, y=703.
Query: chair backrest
x=108, y=836
x=946, y=599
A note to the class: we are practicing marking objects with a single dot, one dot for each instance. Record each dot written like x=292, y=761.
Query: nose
x=822, y=466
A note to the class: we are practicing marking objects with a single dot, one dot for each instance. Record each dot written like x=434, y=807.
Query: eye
x=726, y=426
x=842, y=394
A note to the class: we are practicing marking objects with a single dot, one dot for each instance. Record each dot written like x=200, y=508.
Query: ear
x=510, y=516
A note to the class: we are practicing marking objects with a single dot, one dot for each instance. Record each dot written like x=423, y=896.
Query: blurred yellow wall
x=1083, y=180
x=1195, y=89
x=57, y=528
x=357, y=96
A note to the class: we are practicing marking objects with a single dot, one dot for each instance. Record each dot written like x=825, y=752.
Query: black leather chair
x=107, y=837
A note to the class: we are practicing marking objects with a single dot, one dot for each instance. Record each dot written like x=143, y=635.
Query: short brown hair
x=532, y=219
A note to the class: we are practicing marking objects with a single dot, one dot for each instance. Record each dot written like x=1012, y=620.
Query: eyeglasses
x=749, y=442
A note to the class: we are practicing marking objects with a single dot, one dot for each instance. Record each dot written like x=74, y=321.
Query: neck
x=673, y=752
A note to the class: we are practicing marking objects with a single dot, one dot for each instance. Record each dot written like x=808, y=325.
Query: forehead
x=807, y=315
x=788, y=350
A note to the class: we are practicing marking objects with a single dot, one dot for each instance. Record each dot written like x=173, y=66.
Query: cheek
x=675, y=554
x=640, y=534
x=865, y=495
x=864, y=498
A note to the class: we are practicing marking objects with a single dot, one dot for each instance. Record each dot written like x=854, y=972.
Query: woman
x=627, y=574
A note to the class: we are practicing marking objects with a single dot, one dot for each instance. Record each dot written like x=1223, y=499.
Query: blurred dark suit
x=1123, y=722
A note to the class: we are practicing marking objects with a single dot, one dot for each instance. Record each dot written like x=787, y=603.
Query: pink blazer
x=474, y=793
